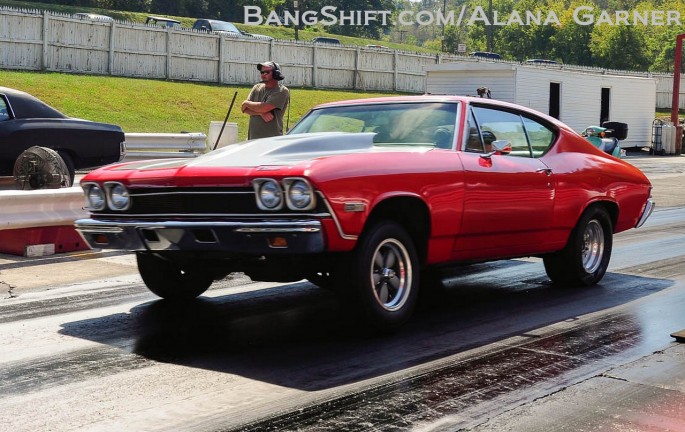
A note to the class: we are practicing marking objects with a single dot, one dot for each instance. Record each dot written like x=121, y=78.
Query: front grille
x=199, y=201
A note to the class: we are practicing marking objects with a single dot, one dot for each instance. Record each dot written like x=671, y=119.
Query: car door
x=509, y=198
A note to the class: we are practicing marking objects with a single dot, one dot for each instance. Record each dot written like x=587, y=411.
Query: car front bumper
x=233, y=237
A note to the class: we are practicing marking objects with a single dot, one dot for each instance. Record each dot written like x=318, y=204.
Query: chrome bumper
x=242, y=238
x=649, y=208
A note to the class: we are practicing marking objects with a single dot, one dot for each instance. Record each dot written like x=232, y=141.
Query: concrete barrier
x=41, y=222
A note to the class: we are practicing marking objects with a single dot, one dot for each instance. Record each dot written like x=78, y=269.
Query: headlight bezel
x=110, y=187
x=291, y=184
x=90, y=187
x=259, y=184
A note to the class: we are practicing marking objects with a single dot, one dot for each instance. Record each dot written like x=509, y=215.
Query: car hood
x=243, y=158
x=287, y=149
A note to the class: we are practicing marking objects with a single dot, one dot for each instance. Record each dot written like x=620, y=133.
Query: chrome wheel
x=586, y=256
x=382, y=273
x=593, y=246
x=391, y=274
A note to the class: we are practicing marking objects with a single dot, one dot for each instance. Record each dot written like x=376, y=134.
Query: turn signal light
x=278, y=242
x=100, y=239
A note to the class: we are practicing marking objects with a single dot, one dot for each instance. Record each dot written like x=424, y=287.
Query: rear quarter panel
x=584, y=175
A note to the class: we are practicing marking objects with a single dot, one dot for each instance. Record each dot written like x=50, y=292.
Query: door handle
x=547, y=171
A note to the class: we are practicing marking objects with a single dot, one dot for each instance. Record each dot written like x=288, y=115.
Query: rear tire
x=585, y=258
x=171, y=280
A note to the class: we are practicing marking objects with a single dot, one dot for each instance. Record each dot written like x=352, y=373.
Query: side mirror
x=500, y=147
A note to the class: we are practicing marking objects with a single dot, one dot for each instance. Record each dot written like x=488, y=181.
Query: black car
x=486, y=55
x=26, y=121
x=326, y=40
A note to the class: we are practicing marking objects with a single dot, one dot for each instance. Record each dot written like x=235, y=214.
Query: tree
x=619, y=47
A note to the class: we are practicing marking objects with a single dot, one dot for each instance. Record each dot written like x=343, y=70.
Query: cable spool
x=40, y=168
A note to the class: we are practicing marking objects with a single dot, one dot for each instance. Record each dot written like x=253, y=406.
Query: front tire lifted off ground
x=171, y=280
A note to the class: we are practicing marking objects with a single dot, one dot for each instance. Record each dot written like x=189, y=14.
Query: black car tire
x=585, y=259
x=171, y=280
x=69, y=163
x=384, y=274
x=40, y=168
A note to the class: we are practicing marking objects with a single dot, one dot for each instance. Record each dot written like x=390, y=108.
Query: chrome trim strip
x=100, y=229
x=649, y=208
x=138, y=194
x=335, y=220
x=98, y=225
x=213, y=215
x=278, y=230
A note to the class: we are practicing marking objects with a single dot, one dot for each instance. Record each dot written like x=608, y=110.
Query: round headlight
x=300, y=194
x=270, y=195
x=95, y=197
x=118, y=197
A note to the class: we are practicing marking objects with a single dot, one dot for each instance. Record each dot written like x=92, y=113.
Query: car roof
x=24, y=105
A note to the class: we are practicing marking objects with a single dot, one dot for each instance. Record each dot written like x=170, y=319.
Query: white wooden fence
x=41, y=40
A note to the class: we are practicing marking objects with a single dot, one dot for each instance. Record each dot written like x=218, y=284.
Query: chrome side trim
x=278, y=230
x=649, y=208
x=336, y=221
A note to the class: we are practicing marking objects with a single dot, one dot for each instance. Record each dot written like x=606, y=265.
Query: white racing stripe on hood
x=287, y=149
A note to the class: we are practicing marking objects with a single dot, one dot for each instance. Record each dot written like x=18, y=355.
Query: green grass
x=277, y=32
x=155, y=106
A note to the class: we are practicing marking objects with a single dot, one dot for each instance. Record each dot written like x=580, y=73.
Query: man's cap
x=274, y=67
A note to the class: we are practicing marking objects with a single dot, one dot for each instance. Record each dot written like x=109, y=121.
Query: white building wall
x=632, y=99
x=466, y=78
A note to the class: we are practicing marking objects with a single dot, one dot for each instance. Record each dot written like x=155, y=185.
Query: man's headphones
x=274, y=67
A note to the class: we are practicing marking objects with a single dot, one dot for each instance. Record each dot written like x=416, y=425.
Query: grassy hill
x=143, y=105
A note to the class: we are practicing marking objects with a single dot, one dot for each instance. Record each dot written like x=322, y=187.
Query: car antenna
x=216, y=144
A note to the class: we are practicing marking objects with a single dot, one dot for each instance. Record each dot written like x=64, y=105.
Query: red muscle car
x=369, y=196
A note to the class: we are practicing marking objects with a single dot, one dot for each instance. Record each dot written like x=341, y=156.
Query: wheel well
x=611, y=208
x=412, y=213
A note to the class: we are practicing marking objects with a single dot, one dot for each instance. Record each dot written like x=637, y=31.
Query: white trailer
x=578, y=97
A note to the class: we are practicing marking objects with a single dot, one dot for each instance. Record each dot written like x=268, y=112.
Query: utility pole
x=296, y=5
x=444, y=12
x=489, y=29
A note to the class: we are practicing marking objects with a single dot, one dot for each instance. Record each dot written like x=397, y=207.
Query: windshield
x=399, y=123
x=224, y=26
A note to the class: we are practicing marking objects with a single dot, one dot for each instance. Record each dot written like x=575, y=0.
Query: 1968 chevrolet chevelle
x=369, y=196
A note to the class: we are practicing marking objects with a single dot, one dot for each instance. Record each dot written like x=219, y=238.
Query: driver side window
x=4, y=115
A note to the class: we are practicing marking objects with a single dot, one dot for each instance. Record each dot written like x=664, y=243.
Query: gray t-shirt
x=279, y=97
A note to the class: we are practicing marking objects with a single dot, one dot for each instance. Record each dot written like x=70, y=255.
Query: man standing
x=266, y=103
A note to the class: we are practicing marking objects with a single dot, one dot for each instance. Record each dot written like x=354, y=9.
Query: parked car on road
x=541, y=62
x=486, y=55
x=224, y=28
x=326, y=40
x=93, y=17
x=163, y=22
x=370, y=198
x=26, y=121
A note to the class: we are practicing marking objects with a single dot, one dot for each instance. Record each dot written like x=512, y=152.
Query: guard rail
x=165, y=145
